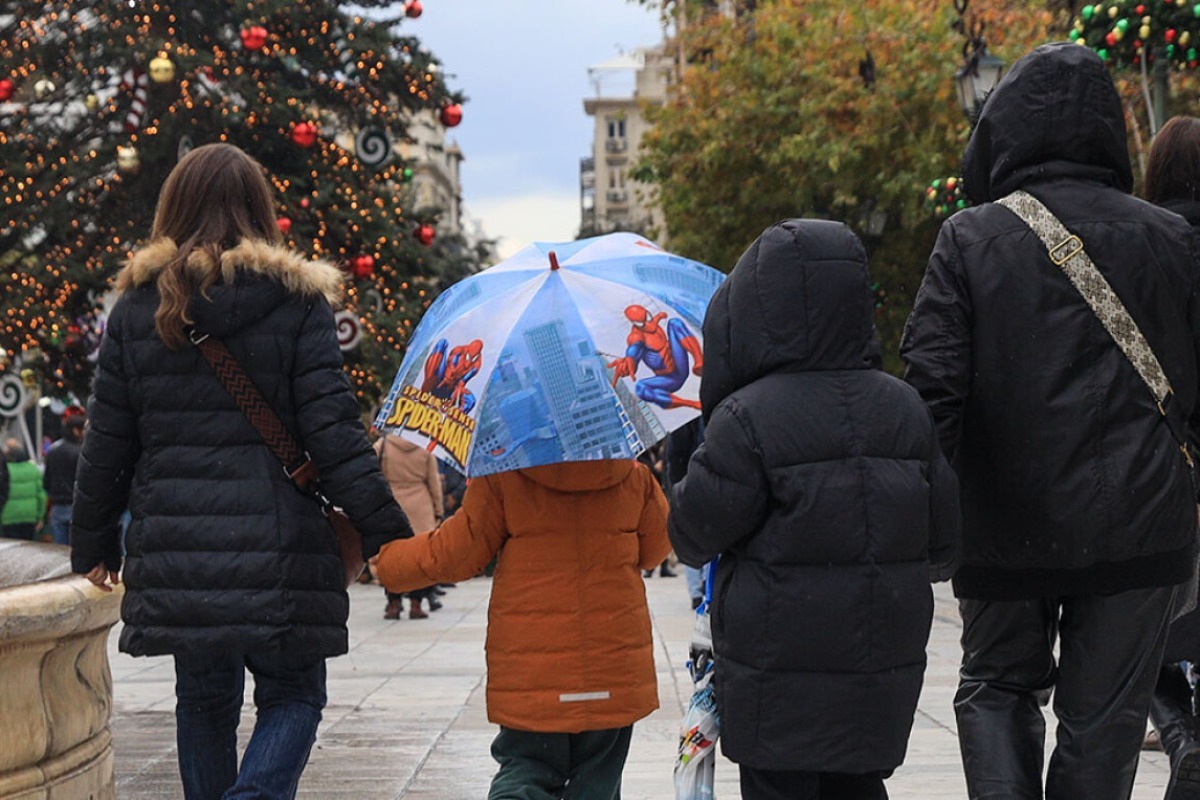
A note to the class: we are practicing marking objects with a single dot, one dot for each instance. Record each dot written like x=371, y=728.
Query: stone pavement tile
x=407, y=716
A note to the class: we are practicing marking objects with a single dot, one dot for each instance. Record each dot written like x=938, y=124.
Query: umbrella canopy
x=568, y=351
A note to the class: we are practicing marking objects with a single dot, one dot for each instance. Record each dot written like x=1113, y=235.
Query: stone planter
x=55, y=684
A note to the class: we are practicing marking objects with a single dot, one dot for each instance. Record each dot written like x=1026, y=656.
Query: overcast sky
x=524, y=69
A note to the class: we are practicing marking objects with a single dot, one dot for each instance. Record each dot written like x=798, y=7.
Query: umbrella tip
x=553, y=260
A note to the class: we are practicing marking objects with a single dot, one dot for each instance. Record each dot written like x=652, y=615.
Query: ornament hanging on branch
x=413, y=9
x=128, y=160
x=425, y=234
x=373, y=146
x=285, y=225
x=349, y=329
x=7, y=88
x=304, y=134
x=254, y=37
x=139, y=82
x=451, y=115
x=162, y=69
x=44, y=88
x=362, y=265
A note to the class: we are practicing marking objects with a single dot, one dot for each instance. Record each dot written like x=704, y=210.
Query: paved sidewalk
x=406, y=716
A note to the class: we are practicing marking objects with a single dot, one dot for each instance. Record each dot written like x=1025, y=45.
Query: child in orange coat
x=569, y=650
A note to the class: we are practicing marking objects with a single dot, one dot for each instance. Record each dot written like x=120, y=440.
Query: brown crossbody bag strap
x=296, y=463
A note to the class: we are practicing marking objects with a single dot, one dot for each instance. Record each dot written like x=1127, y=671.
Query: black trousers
x=1110, y=648
x=550, y=766
x=770, y=784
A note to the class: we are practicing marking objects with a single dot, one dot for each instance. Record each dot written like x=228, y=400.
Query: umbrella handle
x=710, y=574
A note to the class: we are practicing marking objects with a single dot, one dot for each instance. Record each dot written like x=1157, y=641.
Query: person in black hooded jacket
x=229, y=566
x=1173, y=182
x=1079, y=514
x=822, y=487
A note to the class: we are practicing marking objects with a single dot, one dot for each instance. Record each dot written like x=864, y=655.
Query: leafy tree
x=98, y=101
x=819, y=108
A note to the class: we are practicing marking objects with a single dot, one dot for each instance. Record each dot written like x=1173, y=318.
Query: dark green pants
x=549, y=766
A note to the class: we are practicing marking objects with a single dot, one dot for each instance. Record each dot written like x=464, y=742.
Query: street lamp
x=977, y=77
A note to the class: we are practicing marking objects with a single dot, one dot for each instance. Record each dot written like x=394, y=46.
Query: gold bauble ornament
x=162, y=69
x=128, y=160
x=92, y=102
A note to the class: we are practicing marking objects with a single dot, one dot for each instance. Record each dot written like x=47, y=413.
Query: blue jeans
x=60, y=523
x=695, y=581
x=289, y=694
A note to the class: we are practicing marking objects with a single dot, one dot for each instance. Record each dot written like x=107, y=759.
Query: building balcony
x=618, y=197
x=616, y=145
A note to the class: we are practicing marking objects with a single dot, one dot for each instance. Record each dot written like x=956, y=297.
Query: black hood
x=799, y=299
x=1056, y=114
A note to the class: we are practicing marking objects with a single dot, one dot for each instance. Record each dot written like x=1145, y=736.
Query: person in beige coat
x=412, y=472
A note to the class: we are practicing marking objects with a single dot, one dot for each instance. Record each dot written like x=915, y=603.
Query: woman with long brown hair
x=1173, y=182
x=228, y=565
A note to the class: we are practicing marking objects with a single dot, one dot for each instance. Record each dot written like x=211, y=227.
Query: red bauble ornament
x=1171, y=34
x=425, y=234
x=7, y=88
x=305, y=202
x=363, y=265
x=413, y=8
x=304, y=134
x=254, y=37
x=285, y=225
x=451, y=115
x=1111, y=40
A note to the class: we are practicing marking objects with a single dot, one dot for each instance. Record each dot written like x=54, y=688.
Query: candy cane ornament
x=139, y=81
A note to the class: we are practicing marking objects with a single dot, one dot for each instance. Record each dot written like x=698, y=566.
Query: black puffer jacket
x=223, y=553
x=1070, y=482
x=820, y=484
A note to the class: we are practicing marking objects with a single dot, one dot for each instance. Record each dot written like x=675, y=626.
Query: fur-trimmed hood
x=255, y=278
x=297, y=274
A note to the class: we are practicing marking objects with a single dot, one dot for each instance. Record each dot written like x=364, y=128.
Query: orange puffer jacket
x=568, y=643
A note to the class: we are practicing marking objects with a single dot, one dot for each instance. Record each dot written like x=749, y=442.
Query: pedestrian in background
x=1173, y=182
x=677, y=454
x=821, y=485
x=1079, y=508
x=412, y=473
x=58, y=476
x=229, y=567
x=26, y=505
x=570, y=658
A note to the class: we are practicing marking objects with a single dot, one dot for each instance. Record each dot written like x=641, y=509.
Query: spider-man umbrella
x=564, y=352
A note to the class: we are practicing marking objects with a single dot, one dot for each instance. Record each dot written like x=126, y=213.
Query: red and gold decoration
x=425, y=234
x=1127, y=33
x=944, y=196
x=292, y=84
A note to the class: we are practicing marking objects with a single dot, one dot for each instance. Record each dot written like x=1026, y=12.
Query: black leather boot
x=1171, y=713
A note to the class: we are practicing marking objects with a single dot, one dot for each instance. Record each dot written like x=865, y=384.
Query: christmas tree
x=99, y=100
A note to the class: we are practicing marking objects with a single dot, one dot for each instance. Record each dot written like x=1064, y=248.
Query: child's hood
x=580, y=476
x=798, y=300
